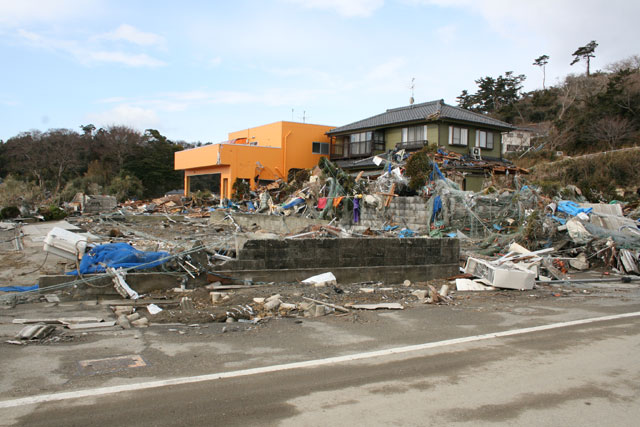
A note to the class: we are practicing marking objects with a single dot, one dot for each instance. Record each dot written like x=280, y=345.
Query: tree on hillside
x=152, y=162
x=25, y=155
x=585, y=52
x=64, y=151
x=494, y=95
x=541, y=62
x=612, y=130
x=112, y=146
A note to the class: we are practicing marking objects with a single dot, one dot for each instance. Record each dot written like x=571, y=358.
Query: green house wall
x=438, y=134
x=392, y=136
x=443, y=140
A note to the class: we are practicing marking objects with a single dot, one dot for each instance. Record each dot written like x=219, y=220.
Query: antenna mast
x=412, y=87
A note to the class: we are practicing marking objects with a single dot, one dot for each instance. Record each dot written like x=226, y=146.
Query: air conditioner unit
x=65, y=244
x=476, y=153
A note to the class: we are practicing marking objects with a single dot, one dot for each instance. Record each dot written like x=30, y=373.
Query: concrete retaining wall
x=410, y=212
x=351, y=260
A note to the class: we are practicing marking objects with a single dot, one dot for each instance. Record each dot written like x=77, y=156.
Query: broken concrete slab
x=35, y=332
x=96, y=325
x=272, y=304
x=472, y=285
x=380, y=306
x=580, y=262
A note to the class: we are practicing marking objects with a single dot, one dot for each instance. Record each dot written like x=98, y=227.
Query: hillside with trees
x=582, y=115
x=56, y=164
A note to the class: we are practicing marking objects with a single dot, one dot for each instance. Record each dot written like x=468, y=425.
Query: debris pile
x=161, y=260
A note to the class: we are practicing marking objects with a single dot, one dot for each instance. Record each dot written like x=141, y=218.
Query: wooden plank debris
x=336, y=307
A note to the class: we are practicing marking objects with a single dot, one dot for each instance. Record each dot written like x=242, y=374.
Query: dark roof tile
x=433, y=110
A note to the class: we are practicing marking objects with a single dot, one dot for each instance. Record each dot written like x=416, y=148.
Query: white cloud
x=127, y=115
x=566, y=24
x=131, y=34
x=214, y=62
x=14, y=13
x=346, y=8
x=124, y=58
x=87, y=54
x=447, y=33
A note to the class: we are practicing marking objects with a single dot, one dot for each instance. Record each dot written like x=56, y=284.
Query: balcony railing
x=356, y=149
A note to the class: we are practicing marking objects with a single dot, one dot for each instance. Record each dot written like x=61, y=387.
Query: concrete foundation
x=390, y=260
x=139, y=282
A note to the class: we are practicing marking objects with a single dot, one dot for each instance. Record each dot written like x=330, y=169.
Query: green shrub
x=126, y=187
x=9, y=212
x=52, y=213
x=418, y=168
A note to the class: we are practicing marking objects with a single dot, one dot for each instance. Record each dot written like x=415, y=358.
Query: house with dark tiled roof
x=414, y=126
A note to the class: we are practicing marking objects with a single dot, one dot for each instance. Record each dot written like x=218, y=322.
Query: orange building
x=262, y=153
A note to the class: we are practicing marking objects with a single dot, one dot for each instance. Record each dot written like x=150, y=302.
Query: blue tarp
x=437, y=205
x=118, y=255
x=295, y=202
x=406, y=232
x=436, y=169
x=560, y=220
x=18, y=288
x=571, y=208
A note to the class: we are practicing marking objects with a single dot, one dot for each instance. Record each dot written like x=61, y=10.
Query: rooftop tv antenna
x=412, y=87
x=304, y=116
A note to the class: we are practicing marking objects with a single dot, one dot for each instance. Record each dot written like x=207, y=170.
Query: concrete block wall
x=351, y=260
x=408, y=212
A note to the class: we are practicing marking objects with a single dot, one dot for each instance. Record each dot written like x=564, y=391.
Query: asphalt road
x=571, y=375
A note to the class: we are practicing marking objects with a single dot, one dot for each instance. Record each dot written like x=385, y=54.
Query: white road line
x=101, y=391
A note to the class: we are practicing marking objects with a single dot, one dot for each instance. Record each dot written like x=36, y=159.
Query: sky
x=197, y=70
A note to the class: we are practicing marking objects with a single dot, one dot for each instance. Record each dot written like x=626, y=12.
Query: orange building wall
x=279, y=147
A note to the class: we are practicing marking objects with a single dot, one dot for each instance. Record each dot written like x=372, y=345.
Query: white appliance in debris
x=476, y=153
x=500, y=276
x=65, y=244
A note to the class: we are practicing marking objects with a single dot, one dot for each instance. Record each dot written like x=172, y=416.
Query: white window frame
x=462, y=140
x=411, y=131
x=485, y=139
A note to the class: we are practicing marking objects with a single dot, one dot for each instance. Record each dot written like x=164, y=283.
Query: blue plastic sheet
x=295, y=202
x=572, y=208
x=405, y=233
x=118, y=255
x=437, y=205
x=437, y=171
x=19, y=288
